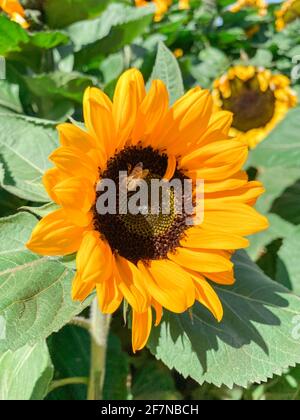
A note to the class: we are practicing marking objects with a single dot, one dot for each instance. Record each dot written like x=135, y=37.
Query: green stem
x=99, y=328
x=68, y=381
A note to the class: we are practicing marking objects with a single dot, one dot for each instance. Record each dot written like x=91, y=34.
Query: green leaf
x=73, y=11
x=70, y=354
x=279, y=229
x=284, y=388
x=9, y=96
x=153, y=381
x=276, y=180
x=289, y=256
x=282, y=146
x=41, y=211
x=48, y=39
x=287, y=205
x=59, y=85
x=166, y=68
x=117, y=371
x=25, y=144
x=118, y=26
x=12, y=36
x=252, y=343
x=22, y=371
x=35, y=292
x=9, y=204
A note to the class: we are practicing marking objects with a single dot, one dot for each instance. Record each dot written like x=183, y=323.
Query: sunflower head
x=257, y=98
x=289, y=11
x=151, y=259
x=260, y=5
x=15, y=11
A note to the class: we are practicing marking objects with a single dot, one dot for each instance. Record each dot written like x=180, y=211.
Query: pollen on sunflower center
x=141, y=236
x=251, y=107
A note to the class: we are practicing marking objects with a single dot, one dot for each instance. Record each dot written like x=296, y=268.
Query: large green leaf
x=73, y=10
x=59, y=85
x=252, y=343
x=12, y=36
x=9, y=96
x=70, y=354
x=167, y=69
x=27, y=47
x=25, y=144
x=279, y=229
x=22, y=371
x=153, y=381
x=287, y=205
x=276, y=180
x=35, y=292
x=282, y=147
x=117, y=371
x=288, y=269
x=118, y=26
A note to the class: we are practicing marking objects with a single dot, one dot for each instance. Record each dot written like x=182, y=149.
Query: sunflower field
x=104, y=295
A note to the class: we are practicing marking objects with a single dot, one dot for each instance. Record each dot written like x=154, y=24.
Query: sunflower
x=290, y=11
x=257, y=98
x=15, y=11
x=261, y=5
x=162, y=6
x=151, y=261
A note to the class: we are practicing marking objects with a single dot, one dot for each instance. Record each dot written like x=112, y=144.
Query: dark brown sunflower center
x=251, y=107
x=146, y=235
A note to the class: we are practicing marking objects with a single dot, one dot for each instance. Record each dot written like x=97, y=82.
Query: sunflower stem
x=99, y=329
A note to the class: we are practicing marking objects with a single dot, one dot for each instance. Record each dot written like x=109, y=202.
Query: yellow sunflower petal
x=201, y=260
x=52, y=177
x=141, y=328
x=75, y=163
x=131, y=284
x=72, y=136
x=158, y=312
x=238, y=218
x=235, y=181
x=129, y=94
x=199, y=238
x=206, y=295
x=94, y=259
x=55, y=235
x=191, y=115
x=99, y=120
x=151, y=113
x=109, y=295
x=168, y=284
x=226, y=278
x=80, y=289
x=76, y=195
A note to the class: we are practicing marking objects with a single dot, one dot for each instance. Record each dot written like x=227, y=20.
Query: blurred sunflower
x=15, y=11
x=257, y=98
x=261, y=5
x=162, y=6
x=290, y=11
x=152, y=260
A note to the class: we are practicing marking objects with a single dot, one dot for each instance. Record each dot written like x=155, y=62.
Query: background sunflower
x=258, y=99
